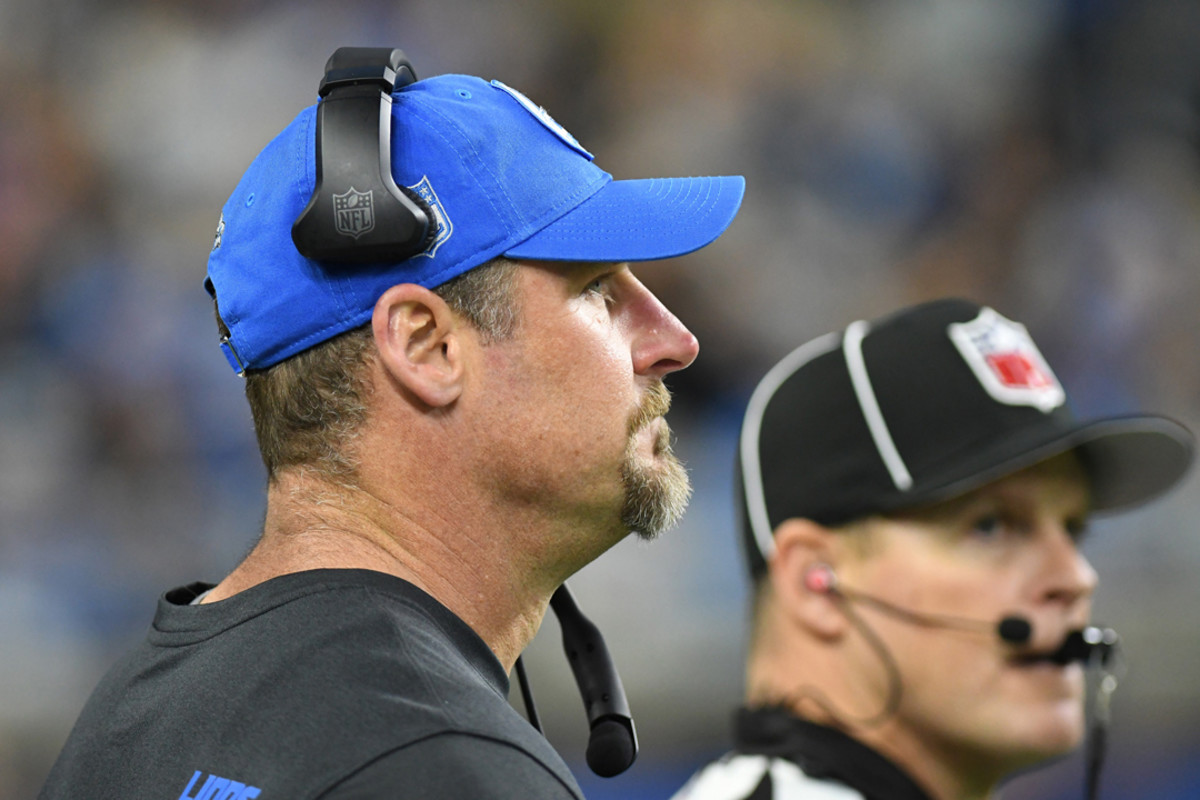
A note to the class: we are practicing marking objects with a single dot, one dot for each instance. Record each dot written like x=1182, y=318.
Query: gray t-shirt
x=323, y=684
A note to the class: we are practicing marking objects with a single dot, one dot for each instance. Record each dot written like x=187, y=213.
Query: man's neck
x=939, y=772
x=465, y=564
x=774, y=679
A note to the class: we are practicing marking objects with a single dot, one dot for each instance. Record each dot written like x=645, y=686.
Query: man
x=915, y=491
x=448, y=436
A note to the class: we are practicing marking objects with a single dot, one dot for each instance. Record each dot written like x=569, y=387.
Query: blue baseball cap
x=502, y=179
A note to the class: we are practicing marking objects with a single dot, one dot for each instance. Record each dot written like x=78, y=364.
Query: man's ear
x=803, y=577
x=419, y=341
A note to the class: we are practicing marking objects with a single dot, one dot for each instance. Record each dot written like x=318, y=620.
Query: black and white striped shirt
x=778, y=756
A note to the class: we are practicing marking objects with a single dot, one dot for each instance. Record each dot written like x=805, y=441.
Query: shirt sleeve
x=456, y=765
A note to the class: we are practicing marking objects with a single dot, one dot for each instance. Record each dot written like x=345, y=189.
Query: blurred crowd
x=1038, y=155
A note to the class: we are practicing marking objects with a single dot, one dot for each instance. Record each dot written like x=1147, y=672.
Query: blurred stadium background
x=1038, y=155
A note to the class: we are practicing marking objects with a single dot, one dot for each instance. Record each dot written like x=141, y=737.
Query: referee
x=915, y=491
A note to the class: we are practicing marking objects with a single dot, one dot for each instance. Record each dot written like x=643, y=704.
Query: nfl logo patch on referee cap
x=1006, y=361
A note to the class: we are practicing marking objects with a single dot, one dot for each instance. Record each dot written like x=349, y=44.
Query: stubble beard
x=656, y=493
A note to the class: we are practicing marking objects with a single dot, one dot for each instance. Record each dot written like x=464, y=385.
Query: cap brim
x=639, y=220
x=1129, y=461
x=1135, y=459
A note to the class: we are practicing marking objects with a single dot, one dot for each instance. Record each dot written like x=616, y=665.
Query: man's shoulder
x=356, y=623
x=361, y=650
x=461, y=764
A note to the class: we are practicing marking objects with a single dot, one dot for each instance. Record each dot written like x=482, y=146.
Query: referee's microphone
x=1079, y=645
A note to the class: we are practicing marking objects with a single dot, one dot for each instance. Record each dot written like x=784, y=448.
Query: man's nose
x=661, y=343
x=1070, y=577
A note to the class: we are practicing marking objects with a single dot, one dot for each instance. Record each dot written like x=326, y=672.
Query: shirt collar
x=822, y=752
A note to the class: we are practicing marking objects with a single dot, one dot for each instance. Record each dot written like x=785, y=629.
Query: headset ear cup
x=820, y=579
x=357, y=214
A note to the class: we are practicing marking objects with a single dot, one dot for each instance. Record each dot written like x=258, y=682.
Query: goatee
x=656, y=493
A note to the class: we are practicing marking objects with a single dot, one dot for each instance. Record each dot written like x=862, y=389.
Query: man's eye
x=988, y=526
x=599, y=287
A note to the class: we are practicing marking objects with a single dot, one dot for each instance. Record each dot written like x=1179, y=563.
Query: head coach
x=456, y=384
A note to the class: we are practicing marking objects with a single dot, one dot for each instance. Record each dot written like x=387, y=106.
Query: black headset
x=357, y=214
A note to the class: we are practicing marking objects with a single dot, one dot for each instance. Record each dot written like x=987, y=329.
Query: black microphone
x=1086, y=645
x=1012, y=629
x=612, y=746
x=1015, y=630
x=1081, y=645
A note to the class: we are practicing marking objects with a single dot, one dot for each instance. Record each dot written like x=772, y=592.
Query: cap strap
x=232, y=357
x=852, y=347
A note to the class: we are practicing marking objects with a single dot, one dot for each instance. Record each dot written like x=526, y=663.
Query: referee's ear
x=419, y=341
x=804, y=548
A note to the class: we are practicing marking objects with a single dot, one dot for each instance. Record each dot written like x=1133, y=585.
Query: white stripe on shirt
x=734, y=778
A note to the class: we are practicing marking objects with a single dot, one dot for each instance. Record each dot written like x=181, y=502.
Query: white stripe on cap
x=752, y=484
x=852, y=347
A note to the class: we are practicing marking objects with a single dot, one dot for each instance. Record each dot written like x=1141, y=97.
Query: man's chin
x=657, y=491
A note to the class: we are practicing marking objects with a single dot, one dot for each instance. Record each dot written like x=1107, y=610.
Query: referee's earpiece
x=820, y=579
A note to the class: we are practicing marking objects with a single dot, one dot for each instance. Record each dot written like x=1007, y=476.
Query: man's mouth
x=658, y=432
x=655, y=405
x=1035, y=659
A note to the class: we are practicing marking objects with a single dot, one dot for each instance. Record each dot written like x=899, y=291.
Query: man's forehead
x=570, y=267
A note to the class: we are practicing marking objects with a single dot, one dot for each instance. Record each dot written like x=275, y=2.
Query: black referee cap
x=921, y=406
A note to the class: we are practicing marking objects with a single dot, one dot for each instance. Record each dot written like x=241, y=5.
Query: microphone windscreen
x=1015, y=630
x=611, y=748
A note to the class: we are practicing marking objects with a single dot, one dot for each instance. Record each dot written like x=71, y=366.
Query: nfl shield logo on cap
x=424, y=189
x=1004, y=358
